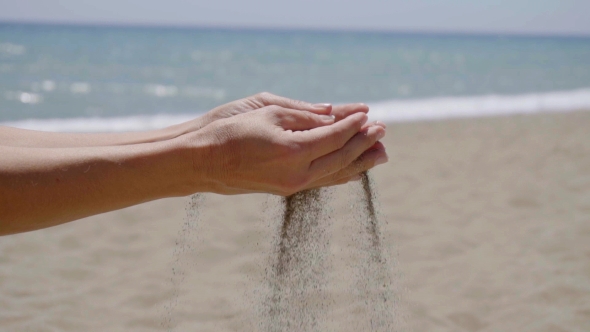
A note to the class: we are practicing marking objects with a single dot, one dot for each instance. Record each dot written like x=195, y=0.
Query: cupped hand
x=281, y=151
x=265, y=99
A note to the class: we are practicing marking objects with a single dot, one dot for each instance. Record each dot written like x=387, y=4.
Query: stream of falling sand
x=186, y=242
x=298, y=300
x=374, y=273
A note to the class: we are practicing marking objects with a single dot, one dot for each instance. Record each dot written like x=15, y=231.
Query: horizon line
x=442, y=32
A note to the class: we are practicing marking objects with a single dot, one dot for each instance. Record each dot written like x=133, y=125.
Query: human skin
x=271, y=149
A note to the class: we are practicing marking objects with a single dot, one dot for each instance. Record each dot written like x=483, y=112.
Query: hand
x=282, y=151
x=265, y=99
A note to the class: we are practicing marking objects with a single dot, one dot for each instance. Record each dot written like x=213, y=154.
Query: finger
x=374, y=156
x=343, y=111
x=268, y=99
x=324, y=140
x=303, y=120
x=341, y=158
x=374, y=123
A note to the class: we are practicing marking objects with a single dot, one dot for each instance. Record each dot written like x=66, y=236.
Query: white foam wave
x=477, y=106
x=387, y=111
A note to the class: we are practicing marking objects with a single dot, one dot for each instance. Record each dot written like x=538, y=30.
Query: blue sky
x=467, y=16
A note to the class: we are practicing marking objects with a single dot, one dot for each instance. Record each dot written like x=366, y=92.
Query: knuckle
x=295, y=148
x=298, y=103
x=274, y=113
x=264, y=96
x=288, y=119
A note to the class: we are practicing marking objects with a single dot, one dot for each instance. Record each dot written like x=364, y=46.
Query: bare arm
x=43, y=187
x=17, y=137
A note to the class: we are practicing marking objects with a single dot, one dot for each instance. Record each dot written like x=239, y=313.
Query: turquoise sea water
x=151, y=76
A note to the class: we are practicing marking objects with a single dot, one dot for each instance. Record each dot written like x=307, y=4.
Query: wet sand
x=487, y=221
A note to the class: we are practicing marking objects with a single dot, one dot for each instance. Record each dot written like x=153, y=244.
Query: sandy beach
x=487, y=222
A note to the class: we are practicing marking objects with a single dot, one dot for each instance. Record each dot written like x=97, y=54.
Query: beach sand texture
x=488, y=222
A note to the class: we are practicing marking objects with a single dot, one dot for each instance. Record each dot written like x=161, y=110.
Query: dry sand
x=488, y=220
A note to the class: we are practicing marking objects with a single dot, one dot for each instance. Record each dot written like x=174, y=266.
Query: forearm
x=17, y=137
x=43, y=187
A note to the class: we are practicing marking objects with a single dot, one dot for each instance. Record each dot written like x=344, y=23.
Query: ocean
x=105, y=78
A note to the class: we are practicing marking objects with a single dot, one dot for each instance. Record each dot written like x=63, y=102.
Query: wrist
x=195, y=151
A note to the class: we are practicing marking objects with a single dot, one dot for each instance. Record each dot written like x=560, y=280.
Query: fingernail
x=364, y=118
x=327, y=117
x=380, y=134
x=355, y=178
x=322, y=106
x=381, y=160
x=381, y=124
